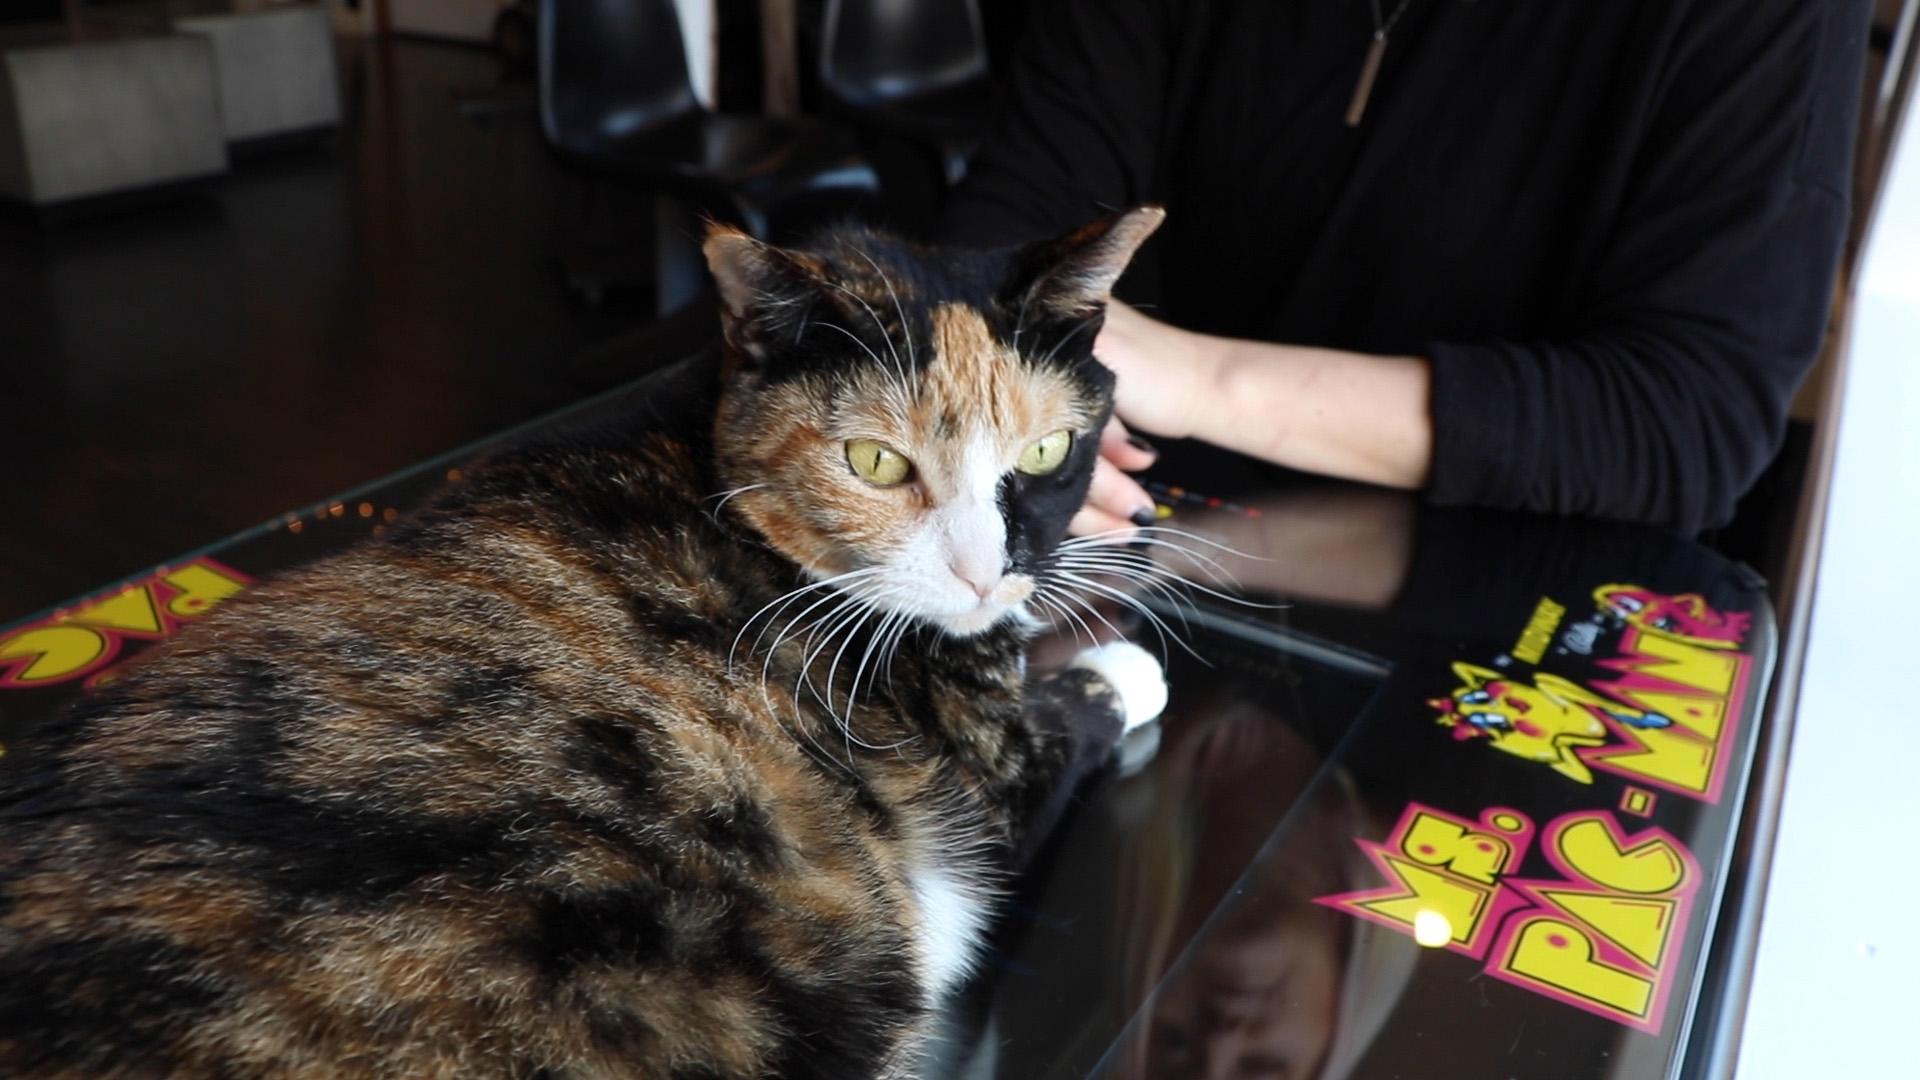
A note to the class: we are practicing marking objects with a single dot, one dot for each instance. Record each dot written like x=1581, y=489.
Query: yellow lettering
x=1439, y=842
x=1539, y=631
x=1685, y=755
x=1592, y=849
x=200, y=587
x=1557, y=954
x=57, y=651
x=130, y=610
x=1640, y=925
x=1664, y=757
x=1712, y=670
x=1461, y=903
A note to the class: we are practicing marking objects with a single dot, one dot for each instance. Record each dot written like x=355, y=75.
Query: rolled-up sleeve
x=1706, y=309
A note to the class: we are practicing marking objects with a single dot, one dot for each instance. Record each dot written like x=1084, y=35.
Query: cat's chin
x=981, y=620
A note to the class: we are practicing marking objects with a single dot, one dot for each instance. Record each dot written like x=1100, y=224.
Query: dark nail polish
x=1142, y=445
x=1143, y=517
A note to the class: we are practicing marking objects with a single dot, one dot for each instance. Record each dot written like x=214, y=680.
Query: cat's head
x=920, y=422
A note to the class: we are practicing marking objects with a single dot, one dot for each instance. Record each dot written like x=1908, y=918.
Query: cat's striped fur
x=517, y=792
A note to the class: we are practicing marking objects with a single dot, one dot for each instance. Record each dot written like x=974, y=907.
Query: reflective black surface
x=1139, y=875
x=1529, y=736
x=1540, y=728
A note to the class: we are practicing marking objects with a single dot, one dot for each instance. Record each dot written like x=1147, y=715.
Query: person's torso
x=1493, y=157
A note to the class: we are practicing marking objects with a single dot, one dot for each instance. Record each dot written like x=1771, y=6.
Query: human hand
x=1114, y=501
x=1161, y=378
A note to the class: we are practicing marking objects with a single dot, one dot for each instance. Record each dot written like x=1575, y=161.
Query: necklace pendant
x=1369, y=71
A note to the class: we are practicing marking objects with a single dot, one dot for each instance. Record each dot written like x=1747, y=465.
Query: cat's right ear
x=1072, y=277
x=764, y=290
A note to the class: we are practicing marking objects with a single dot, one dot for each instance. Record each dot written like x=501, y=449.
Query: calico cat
x=694, y=746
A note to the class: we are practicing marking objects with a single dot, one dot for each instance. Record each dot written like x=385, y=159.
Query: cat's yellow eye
x=1046, y=455
x=876, y=463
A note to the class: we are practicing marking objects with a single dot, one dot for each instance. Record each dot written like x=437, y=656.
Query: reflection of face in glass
x=1258, y=995
x=1258, y=1000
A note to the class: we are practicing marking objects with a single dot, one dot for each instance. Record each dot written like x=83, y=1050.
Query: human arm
x=1327, y=411
x=1653, y=383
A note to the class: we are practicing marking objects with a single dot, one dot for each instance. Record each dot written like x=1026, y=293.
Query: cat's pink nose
x=978, y=578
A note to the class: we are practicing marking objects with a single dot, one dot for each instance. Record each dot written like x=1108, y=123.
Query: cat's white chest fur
x=952, y=896
x=953, y=922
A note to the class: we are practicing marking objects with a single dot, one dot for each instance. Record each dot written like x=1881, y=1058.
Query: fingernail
x=1142, y=445
x=1144, y=516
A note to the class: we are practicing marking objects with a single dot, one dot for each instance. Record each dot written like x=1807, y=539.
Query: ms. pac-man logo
x=85, y=640
x=1665, y=715
x=1600, y=936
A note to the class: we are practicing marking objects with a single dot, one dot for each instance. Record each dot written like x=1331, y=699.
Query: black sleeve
x=1076, y=136
x=1707, y=309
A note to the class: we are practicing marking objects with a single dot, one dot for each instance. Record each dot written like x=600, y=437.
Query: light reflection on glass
x=1431, y=928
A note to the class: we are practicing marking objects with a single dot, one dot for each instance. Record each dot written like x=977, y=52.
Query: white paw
x=1133, y=673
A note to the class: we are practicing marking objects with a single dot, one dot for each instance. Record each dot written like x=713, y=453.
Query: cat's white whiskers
x=1165, y=582
x=847, y=721
x=1073, y=622
x=801, y=679
x=1050, y=596
x=1099, y=543
x=810, y=629
x=846, y=604
x=1150, y=531
x=1097, y=614
x=783, y=601
x=874, y=642
x=1160, y=627
x=898, y=368
x=1214, y=568
x=864, y=347
x=1130, y=562
x=906, y=626
x=841, y=618
x=726, y=497
x=869, y=603
x=849, y=623
x=1020, y=322
x=789, y=597
x=1069, y=336
x=912, y=360
x=1163, y=586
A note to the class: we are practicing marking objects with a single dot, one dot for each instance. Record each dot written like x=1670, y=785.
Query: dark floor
x=322, y=316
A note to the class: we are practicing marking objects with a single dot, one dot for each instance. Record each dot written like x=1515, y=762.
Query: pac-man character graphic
x=1547, y=720
x=1686, y=617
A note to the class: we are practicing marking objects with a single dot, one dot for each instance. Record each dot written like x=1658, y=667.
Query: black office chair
x=915, y=69
x=616, y=103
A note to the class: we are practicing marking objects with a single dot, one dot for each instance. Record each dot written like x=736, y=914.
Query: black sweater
x=1612, y=225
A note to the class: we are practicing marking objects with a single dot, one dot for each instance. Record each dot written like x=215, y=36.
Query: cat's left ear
x=763, y=289
x=1073, y=276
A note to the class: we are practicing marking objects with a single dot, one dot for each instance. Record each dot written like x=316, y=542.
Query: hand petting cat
x=1157, y=390
x=1351, y=415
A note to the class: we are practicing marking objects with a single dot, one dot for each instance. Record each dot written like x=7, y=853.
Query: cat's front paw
x=1134, y=675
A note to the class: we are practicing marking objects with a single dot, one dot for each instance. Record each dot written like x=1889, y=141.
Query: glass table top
x=1458, y=801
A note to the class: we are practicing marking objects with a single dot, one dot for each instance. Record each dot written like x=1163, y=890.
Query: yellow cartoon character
x=1686, y=617
x=1547, y=720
